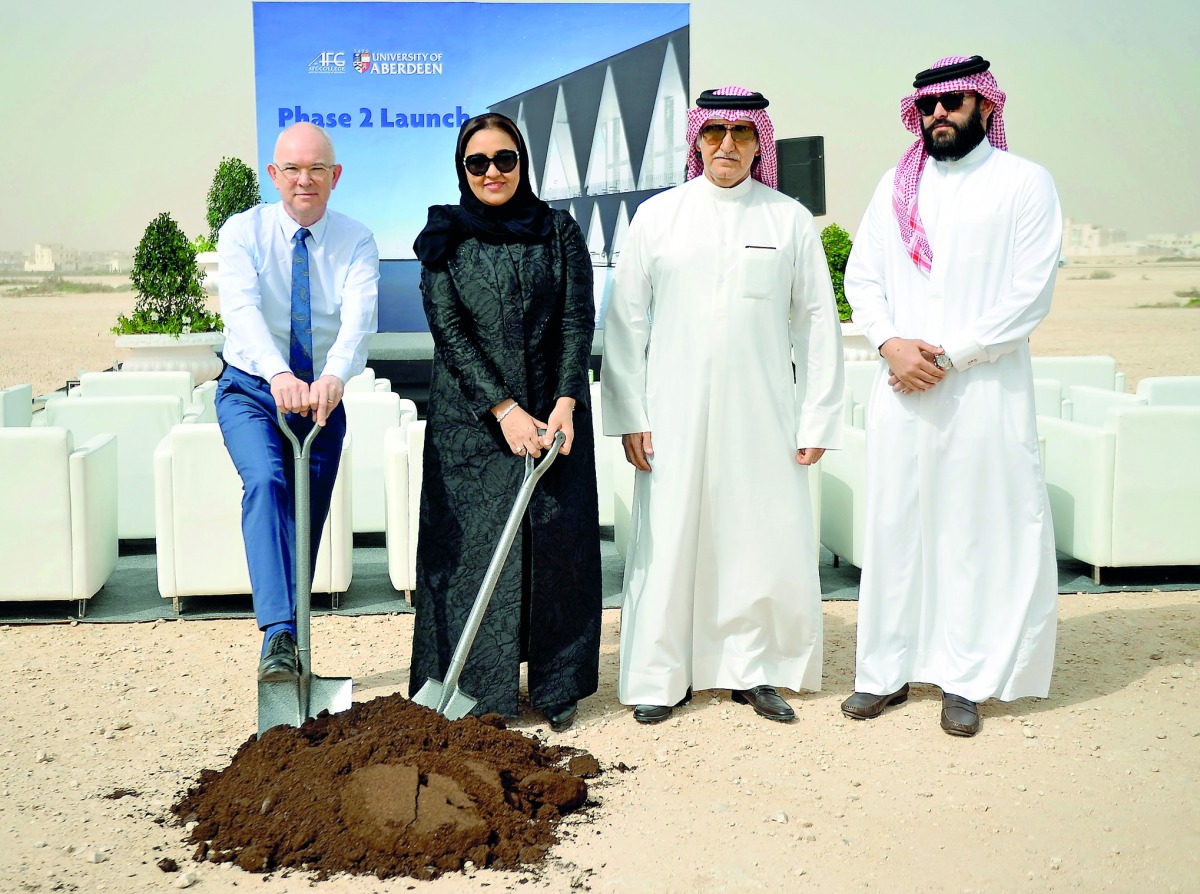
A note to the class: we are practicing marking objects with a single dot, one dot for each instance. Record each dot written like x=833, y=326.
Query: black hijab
x=522, y=219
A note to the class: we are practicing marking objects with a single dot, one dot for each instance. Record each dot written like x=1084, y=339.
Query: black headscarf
x=522, y=219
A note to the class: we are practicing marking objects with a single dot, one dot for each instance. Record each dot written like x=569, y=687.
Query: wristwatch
x=942, y=361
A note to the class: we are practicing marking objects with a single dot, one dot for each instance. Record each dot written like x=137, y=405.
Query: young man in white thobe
x=722, y=285
x=952, y=269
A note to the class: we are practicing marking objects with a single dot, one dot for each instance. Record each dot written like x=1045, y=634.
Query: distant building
x=1186, y=244
x=52, y=259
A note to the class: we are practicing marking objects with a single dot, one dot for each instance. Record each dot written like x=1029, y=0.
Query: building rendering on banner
x=604, y=138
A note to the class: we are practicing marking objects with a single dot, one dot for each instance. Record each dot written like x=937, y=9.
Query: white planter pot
x=194, y=352
x=855, y=345
x=207, y=261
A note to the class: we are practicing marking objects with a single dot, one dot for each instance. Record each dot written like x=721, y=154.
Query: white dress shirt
x=255, y=277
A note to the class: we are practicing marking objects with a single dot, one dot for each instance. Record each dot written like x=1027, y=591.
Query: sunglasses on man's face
x=951, y=102
x=505, y=161
x=715, y=133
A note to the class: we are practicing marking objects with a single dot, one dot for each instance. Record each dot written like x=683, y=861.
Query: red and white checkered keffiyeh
x=767, y=169
x=908, y=171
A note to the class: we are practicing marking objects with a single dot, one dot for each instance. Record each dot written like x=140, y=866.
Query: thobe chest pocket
x=760, y=271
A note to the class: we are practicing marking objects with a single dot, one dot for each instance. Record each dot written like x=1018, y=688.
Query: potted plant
x=170, y=327
x=837, y=244
x=234, y=189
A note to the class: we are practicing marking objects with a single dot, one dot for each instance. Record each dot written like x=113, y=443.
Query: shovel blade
x=432, y=694
x=279, y=704
x=332, y=694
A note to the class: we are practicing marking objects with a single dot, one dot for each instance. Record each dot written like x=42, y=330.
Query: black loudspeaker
x=802, y=171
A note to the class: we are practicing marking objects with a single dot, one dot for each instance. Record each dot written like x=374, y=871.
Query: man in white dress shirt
x=722, y=285
x=298, y=288
x=952, y=269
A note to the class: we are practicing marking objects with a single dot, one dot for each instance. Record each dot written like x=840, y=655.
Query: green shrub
x=837, y=244
x=169, y=285
x=234, y=189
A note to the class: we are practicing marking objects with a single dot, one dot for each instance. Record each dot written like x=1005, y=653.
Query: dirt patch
x=387, y=788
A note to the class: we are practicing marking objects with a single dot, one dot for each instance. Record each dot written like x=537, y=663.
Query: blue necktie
x=300, y=356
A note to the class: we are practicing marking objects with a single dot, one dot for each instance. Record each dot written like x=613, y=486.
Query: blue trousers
x=263, y=457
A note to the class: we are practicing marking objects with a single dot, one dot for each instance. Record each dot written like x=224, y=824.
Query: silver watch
x=942, y=361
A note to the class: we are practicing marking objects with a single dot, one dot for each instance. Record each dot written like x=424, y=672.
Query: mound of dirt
x=387, y=788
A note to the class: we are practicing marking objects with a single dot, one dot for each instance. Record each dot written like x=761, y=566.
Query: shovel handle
x=459, y=659
x=302, y=566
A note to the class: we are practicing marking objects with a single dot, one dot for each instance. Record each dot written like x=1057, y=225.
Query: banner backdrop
x=392, y=82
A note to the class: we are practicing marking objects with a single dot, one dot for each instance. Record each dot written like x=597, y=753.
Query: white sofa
x=198, y=400
x=16, y=406
x=198, y=497
x=139, y=422
x=1170, y=391
x=369, y=416
x=1126, y=493
x=58, y=515
x=402, y=475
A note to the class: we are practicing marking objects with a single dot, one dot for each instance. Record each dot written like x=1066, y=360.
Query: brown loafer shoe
x=960, y=716
x=766, y=703
x=659, y=713
x=864, y=705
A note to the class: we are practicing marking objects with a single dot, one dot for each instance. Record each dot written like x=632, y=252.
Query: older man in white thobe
x=952, y=269
x=723, y=375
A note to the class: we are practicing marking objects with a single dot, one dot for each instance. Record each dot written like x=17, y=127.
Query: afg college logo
x=362, y=62
x=328, y=63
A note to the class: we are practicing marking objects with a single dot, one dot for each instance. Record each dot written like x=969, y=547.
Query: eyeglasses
x=951, y=102
x=316, y=173
x=715, y=133
x=505, y=161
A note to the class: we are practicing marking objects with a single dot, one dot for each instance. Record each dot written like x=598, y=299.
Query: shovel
x=444, y=696
x=293, y=702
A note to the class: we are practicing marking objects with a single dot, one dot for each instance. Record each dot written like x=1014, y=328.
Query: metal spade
x=293, y=702
x=444, y=696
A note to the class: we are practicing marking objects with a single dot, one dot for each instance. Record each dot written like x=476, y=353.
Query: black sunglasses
x=951, y=102
x=715, y=133
x=505, y=161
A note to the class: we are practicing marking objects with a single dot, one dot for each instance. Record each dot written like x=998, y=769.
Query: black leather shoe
x=560, y=717
x=960, y=716
x=864, y=705
x=766, y=703
x=281, y=663
x=659, y=713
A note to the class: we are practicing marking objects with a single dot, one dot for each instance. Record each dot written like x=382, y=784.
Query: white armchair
x=58, y=515
x=1126, y=493
x=1097, y=371
x=1090, y=406
x=402, y=475
x=198, y=497
x=16, y=406
x=139, y=424
x=369, y=416
x=198, y=401
x=1170, y=391
x=843, y=498
x=366, y=381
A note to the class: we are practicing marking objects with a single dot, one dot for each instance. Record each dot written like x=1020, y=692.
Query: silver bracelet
x=510, y=408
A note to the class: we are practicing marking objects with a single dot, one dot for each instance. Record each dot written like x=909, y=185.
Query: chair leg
x=175, y=605
x=82, y=607
x=335, y=600
x=408, y=597
x=1096, y=575
x=837, y=560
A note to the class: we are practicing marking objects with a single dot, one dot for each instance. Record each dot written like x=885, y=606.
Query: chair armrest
x=204, y=396
x=383, y=384
x=164, y=518
x=1119, y=382
x=1090, y=406
x=1080, y=460
x=396, y=501
x=93, y=475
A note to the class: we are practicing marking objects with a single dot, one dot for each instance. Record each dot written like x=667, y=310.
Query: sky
x=116, y=111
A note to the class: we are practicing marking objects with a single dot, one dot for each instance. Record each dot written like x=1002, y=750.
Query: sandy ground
x=1092, y=789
